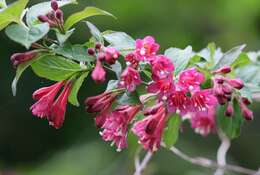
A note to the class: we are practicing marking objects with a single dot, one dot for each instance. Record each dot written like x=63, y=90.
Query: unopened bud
x=222, y=100
x=91, y=51
x=43, y=18
x=246, y=101
x=236, y=83
x=227, y=89
x=247, y=113
x=101, y=56
x=230, y=110
x=19, y=58
x=98, y=46
x=223, y=70
x=219, y=80
x=59, y=15
x=54, y=5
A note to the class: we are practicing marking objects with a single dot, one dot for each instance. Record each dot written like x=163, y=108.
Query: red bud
x=43, y=18
x=54, y=5
x=230, y=110
x=91, y=51
x=236, y=83
x=223, y=70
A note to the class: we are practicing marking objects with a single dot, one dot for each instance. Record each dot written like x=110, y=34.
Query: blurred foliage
x=29, y=146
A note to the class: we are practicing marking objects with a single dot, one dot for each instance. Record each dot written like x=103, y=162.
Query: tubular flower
x=100, y=103
x=98, y=74
x=146, y=48
x=115, y=127
x=162, y=67
x=190, y=80
x=149, y=130
x=130, y=78
x=45, y=97
x=178, y=103
x=132, y=60
x=203, y=122
x=58, y=109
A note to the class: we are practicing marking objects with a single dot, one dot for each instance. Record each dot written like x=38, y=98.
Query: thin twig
x=141, y=166
x=222, y=152
x=204, y=162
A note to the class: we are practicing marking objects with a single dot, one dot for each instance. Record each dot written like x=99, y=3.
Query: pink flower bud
x=54, y=5
x=111, y=55
x=227, y=89
x=43, y=18
x=247, y=113
x=91, y=51
x=98, y=46
x=99, y=74
x=223, y=70
x=59, y=15
x=246, y=101
x=19, y=58
x=236, y=83
x=51, y=15
x=230, y=110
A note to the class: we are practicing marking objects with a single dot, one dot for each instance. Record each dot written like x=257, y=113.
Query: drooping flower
x=178, y=102
x=19, y=58
x=98, y=74
x=146, y=48
x=190, y=80
x=58, y=109
x=130, y=78
x=149, y=130
x=100, y=103
x=45, y=97
x=115, y=127
x=162, y=67
x=111, y=55
x=132, y=60
x=246, y=112
x=163, y=87
x=203, y=122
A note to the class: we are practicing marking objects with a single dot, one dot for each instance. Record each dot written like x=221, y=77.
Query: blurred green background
x=28, y=146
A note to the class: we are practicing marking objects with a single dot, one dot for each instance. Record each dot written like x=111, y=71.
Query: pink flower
x=203, y=100
x=130, y=78
x=190, y=80
x=203, y=122
x=100, y=103
x=146, y=48
x=149, y=130
x=111, y=55
x=163, y=87
x=132, y=59
x=162, y=67
x=45, y=97
x=115, y=127
x=178, y=103
x=98, y=74
x=19, y=58
x=58, y=109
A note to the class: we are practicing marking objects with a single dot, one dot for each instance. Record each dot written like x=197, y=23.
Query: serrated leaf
x=25, y=36
x=42, y=9
x=121, y=41
x=62, y=38
x=73, y=97
x=112, y=84
x=229, y=57
x=55, y=68
x=87, y=12
x=171, y=132
x=179, y=57
x=12, y=13
x=95, y=32
x=74, y=52
x=231, y=126
x=20, y=69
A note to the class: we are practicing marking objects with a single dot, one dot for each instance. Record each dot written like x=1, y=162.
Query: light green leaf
x=179, y=57
x=20, y=69
x=25, y=36
x=112, y=84
x=42, y=9
x=121, y=41
x=250, y=74
x=62, y=38
x=231, y=126
x=129, y=98
x=12, y=13
x=87, y=12
x=55, y=68
x=73, y=99
x=241, y=61
x=230, y=57
x=74, y=52
x=171, y=132
x=95, y=32
x=3, y=4
x=117, y=68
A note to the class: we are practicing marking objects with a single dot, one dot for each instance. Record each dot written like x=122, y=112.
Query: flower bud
x=59, y=15
x=54, y=5
x=227, y=89
x=51, y=15
x=247, y=113
x=236, y=83
x=222, y=100
x=98, y=46
x=246, y=101
x=101, y=56
x=43, y=18
x=19, y=58
x=91, y=51
x=230, y=110
x=219, y=80
x=98, y=73
x=223, y=70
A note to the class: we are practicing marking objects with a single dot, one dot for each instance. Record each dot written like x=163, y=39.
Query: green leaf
x=12, y=13
x=112, y=84
x=171, y=132
x=42, y=9
x=74, y=52
x=229, y=57
x=250, y=74
x=62, y=38
x=241, y=61
x=20, y=69
x=25, y=36
x=121, y=41
x=231, y=126
x=129, y=98
x=73, y=99
x=3, y=4
x=95, y=32
x=179, y=57
x=117, y=68
x=55, y=68
x=87, y=12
